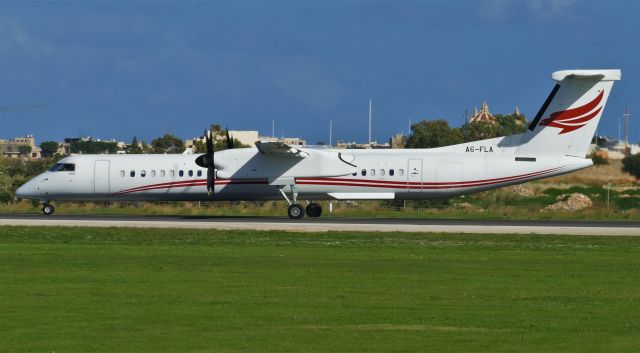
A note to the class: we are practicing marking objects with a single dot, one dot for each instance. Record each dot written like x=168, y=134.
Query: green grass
x=139, y=290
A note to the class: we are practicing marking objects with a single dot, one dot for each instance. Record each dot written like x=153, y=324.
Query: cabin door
x=414, y=175
x=101, y=177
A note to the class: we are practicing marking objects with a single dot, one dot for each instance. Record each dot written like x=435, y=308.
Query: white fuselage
x=249, y=175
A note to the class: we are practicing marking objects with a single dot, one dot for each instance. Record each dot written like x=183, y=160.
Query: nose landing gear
x=47, y=209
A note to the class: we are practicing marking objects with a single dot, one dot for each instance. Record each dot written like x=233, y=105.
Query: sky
x=118, y=69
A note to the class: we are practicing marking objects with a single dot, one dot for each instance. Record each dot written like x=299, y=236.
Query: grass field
x=125, y=290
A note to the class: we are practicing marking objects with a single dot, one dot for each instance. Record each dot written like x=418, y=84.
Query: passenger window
x=363, y=172
x=191, y=173
x=132, y=173
x=162, y=173
x=400, y=172
x=373, y=172
x=122, y=173
x=143, y=173
x=391, y=172
x=199, y=173
x=172, y=173
x=153, y=173
x=354, y=174
x=181, y=173
x=381, y=172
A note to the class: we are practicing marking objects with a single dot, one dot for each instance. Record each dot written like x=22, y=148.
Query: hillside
x=597, y=175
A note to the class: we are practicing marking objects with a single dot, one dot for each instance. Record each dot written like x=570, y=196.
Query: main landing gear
x=296, y=210
x=314, y=210
x=47, y=209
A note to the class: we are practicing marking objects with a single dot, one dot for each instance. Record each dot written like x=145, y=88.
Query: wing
x=280, y=149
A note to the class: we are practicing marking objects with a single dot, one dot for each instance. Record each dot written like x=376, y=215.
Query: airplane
x=556, y=142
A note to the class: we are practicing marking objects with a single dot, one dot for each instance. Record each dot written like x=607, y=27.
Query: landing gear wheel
x=47, y=209
x=314, y=210
x=295, y=211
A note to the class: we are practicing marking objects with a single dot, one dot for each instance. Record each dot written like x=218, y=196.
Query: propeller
x=206, y=160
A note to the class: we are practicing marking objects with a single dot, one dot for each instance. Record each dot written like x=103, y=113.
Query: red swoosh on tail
x=573, y=119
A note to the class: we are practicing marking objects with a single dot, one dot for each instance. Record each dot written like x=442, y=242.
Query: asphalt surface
x=332, y=224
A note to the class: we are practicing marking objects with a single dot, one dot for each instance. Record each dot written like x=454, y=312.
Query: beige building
x=14, y=148
x=295, y=141
x=246, y=137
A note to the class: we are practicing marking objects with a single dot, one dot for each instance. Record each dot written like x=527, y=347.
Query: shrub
x=631, y=164
x=5, y=197
x=599, y=160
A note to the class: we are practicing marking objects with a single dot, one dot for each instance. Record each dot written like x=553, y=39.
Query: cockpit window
x=63, y=167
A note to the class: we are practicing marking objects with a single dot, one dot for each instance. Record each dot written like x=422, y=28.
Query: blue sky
x=115, y=69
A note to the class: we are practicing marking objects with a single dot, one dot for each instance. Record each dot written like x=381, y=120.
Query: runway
x=331, y=224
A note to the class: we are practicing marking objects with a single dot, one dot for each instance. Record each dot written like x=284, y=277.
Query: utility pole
x=330, y=132
x=410, y=126
x=369, y=122
x=273, y=128
x=626, y=115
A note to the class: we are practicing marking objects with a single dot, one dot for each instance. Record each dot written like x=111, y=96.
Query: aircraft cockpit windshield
x=63, y=167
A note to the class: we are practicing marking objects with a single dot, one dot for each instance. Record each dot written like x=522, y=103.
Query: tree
x=93, y=147
x=134, y=147
x=631, y=164
x=49, y=148
x=479, y=131
x=167, y=144
x=511, y=124
x=434, y=133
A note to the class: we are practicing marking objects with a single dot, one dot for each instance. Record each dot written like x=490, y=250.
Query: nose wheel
x=47, y=209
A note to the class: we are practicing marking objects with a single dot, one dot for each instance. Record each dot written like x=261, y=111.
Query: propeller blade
x=229, y=140
x=210, y=164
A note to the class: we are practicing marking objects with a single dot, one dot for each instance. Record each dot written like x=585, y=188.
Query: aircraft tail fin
x=567, y=121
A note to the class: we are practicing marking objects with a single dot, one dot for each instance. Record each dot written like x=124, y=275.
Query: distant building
x=288, y=140
x=246, y=137
x=483, y=115
x=356, y=145
x=20, y=147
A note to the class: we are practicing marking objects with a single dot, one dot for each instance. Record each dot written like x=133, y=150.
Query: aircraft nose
x=26, y=191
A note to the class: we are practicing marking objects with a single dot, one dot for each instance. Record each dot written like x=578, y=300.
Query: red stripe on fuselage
x=345, y=182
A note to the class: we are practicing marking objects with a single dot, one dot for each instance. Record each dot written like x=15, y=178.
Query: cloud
x=15, y=37
x=542, y=10
x=549, y=9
